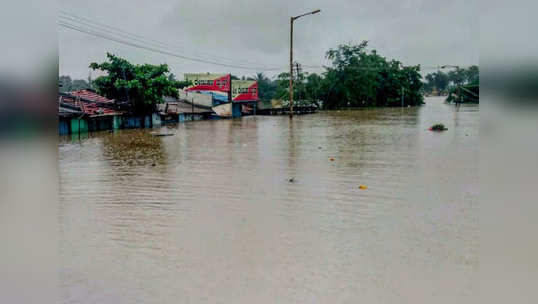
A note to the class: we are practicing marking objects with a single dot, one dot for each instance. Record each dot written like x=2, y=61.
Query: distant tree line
x=443, y=83
x=66, y=84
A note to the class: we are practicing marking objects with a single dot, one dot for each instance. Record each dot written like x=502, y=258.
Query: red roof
x=88, y=107
x=90, y=95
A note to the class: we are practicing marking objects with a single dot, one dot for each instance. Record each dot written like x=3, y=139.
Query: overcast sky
x=256, y=33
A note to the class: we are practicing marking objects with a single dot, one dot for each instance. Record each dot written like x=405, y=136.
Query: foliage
x=359, y=78
x=307, y=88
x=438, y=127
x=143, y=85
x=438, y=81
x=68, y=85
x=472, y=74
x=266, y=87
x=447, y=82
x=464, y=94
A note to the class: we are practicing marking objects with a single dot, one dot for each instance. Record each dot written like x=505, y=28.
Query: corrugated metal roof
x=91, y=103
x=90, y=95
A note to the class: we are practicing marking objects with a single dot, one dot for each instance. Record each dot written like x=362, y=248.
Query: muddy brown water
x=209, y=215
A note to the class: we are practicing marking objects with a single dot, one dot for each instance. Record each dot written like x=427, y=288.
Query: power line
x=96, y=29
x=153, y=49
x=97, y=26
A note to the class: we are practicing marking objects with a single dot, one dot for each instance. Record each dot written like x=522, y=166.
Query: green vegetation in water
x=460, y=85
x=438, y=127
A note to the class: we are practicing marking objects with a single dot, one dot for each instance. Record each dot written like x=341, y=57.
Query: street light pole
x=291, y=56
x=291, y=67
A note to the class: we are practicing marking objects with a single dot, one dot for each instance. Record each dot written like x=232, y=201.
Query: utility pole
x=230, y=99
x=230, y=92
x=291, y=67
x=291, y=56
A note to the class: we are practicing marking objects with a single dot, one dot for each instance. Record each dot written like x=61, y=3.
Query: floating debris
x=363, y=187
x=162, y=134
x=331, y=159
x=438, y=127
x=291, y=179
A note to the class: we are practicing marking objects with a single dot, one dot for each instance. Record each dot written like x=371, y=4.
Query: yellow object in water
x=363, y=187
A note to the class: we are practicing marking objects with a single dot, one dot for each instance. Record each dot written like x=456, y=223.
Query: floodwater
x=208, y=215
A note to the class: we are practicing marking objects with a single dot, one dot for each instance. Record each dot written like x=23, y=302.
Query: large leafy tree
x=359, y=78
x=143, y=85
x=472, y=74
x=458, y=76
x=438, y=81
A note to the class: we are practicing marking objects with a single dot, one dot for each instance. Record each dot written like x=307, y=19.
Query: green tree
x=282, y=86
x=472, y=74
x=314, y=88
x=144, y=85
x=64, y=83
x=266, y=87
x=438, y=81
x=457, y=76
x=428, y=86
x=79, y=84
x=466, y=88
x=359, y=78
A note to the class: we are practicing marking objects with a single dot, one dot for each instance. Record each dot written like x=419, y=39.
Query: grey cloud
x=257, y=32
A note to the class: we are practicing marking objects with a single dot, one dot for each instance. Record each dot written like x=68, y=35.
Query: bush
x=438, y=127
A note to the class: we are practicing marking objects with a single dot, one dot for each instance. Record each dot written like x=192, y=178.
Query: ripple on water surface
x=209, y=214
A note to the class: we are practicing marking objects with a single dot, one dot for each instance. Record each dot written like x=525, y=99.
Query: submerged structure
x=229, y=97
x=85, y=110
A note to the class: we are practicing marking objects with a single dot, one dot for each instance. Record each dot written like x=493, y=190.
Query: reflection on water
x=208, y=215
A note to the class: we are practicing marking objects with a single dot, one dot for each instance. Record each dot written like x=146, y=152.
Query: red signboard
x=209, y=82
x=244, y=90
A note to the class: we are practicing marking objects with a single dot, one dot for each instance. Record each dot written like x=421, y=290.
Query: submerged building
x=85, y=110
x=229, y=97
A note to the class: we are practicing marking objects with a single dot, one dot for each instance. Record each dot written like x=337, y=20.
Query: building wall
x=79, y=125
x=63, y=126
x=197, y=98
